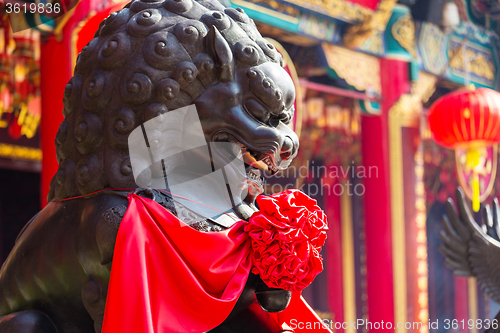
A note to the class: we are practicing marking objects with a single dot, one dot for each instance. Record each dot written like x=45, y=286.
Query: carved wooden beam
x=357, y=34
x=409, y=106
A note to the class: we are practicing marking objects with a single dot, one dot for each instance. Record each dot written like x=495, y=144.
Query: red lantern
x=469, y=120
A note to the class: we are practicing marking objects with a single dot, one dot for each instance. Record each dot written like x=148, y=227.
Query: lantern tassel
x=475, y=192
x=473, y=160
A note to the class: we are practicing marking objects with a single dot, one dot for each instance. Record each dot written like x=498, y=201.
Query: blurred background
x=366, y=73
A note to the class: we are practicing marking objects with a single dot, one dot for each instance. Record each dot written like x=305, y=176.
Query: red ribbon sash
x=165, y=273
x=167, y=277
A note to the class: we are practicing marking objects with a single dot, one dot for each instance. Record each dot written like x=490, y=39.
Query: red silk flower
x=287, y=235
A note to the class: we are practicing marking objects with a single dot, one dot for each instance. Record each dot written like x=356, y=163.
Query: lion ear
x=223, y=55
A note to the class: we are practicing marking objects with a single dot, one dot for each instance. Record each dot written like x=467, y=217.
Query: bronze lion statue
x=151, y=57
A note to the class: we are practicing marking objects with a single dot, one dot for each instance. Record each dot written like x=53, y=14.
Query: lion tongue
x=250, y=160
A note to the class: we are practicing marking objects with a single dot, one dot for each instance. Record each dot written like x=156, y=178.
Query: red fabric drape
x=165, y=273
x=167, y=277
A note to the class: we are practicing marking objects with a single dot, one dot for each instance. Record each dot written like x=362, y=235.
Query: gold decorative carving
x=360, y=70
x=20, y=152
x=357, y=35
x=480, y=63
x=425, y=86
x=285, y=36
x=430, y=41
x=373, y=45
x=404, y=32
x=339, y=9
x=279, y=6
x=409, y=106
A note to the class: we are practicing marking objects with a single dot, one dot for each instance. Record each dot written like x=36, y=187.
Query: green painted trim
x=273, y=21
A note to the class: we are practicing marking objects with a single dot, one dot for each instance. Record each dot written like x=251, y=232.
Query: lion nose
x=287, y=148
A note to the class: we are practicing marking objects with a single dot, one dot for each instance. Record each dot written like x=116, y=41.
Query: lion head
x=155, y=56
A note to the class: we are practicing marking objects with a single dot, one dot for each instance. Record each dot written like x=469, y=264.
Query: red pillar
x=375, y=149
x=54, y=74
x=56, y=69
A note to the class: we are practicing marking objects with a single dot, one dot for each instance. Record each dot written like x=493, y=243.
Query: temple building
x=366, y=73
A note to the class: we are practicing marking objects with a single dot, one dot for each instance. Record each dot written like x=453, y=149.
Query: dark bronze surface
x=272, y=299
x=146, y=59
x=27, y=322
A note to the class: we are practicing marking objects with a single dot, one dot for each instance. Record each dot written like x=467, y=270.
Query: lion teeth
x=250, y=160
x=269, y=164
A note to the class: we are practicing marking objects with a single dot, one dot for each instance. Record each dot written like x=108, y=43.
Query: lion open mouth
x=256, y=163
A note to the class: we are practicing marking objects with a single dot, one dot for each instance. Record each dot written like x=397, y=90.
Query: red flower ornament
x=287, y=235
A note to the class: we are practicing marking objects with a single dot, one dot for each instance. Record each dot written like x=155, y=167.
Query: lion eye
x=256, y=109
